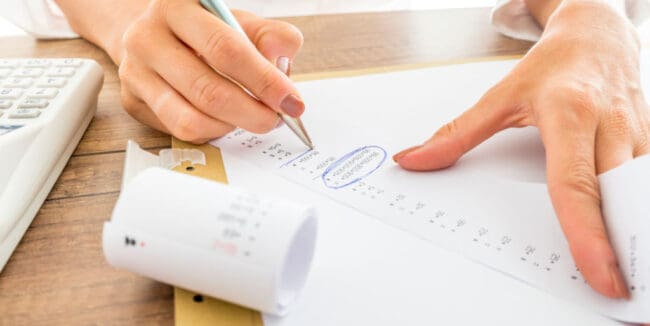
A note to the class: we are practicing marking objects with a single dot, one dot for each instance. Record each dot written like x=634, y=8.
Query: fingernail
x=619, y=283
x=284, y=64
x=292, y=106
x=401, y=154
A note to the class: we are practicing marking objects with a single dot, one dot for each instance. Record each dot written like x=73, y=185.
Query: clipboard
x=192, y=308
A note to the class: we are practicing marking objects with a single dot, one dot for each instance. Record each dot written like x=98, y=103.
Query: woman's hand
x=580, y=86
x=168, y=51
x=169, y=82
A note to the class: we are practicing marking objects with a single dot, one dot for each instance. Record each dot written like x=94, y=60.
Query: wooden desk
x=58, y=274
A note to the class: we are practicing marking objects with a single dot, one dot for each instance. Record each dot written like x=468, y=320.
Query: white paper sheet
x=366, y=272
x=625, y=193
x=212, y=238
x=492, y=207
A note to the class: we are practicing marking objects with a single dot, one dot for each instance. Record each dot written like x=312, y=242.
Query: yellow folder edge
x=193, y=309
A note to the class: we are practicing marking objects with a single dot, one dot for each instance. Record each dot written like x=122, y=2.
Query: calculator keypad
x=33, y=103
x=10, y=93
x=28, y=72
x=24, y=114
x=60, y=72
x=42, y=93
x=29, y=86
x=52, y=82
x=18, y=82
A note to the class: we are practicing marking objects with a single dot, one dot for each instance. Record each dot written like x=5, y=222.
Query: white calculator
x=45, y=108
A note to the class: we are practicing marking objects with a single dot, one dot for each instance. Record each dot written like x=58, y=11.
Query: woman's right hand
x=168, y=61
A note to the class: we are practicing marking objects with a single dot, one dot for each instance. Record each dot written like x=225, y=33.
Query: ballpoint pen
x=219, y=8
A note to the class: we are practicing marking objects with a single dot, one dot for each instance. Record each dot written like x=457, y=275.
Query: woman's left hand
x=580, y=85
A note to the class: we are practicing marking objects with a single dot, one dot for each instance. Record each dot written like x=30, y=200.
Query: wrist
x=103, y=22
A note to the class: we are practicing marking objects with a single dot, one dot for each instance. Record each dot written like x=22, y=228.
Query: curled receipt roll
x=213, y=239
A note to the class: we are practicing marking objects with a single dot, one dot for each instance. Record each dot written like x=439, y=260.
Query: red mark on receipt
x=227, y=247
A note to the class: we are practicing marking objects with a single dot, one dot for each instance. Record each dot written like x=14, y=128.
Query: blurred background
x=277, y=8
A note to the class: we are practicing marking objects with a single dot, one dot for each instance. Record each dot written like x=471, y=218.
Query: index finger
x=234, y=56
x=575, y=193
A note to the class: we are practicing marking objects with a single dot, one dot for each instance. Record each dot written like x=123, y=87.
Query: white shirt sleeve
x=40, y=18
x=511, y=17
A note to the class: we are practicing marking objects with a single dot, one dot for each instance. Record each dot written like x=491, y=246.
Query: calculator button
x=4, y=72
x=28, y=72
x=18, y=82
x=4, y=129
x=5, y=104
x=37, y=63
x=33, y=103
x=69, y=63
x=25, y=114
x=8, y=63
x=43, y=93
x=10, y=93
x=60, y=72
x=52, y=82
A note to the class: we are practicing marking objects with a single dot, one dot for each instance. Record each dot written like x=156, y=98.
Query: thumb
x=277, y=41
x=490, y=115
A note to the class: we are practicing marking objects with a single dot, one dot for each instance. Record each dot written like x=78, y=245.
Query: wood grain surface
x=58, y=275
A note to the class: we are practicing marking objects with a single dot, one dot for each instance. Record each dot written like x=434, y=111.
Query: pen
x=219, y=9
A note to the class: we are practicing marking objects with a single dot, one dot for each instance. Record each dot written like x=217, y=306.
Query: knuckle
x=296, y=35
x=577, y=103
x=130, y=37
x=185, y=129
x=161, y=7
x=158, y=3
x=582, y=108
x=449, y=128
x=618, y=122
x=643, y=142
x=266, y=81
x=129, y=102
x=223, y=45
x=296, y=32
x=519, y=116
x=450, y=131
x=289, y=35
x=209, y=94
x=504, y=100
x=578, y=179
x=161, y=102
x=292, y=35
x=641, y=135
x=125, y=71
x=136, y=35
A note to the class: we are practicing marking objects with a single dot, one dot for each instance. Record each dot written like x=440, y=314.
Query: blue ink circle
x=345, y=157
